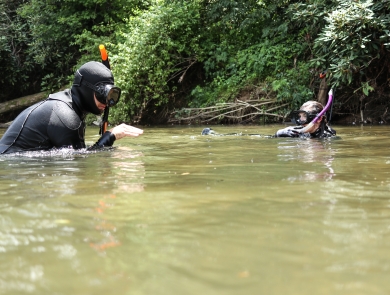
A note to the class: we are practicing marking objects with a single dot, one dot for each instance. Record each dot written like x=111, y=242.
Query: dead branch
x=236, y=111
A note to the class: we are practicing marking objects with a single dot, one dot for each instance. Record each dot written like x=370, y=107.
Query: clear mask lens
x=113, y=96
x=302, y=117
x=108, y=94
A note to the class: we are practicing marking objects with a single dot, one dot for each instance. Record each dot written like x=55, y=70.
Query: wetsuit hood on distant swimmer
x=90, y=75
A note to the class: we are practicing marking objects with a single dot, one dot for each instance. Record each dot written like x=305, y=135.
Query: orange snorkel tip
x=103, y=52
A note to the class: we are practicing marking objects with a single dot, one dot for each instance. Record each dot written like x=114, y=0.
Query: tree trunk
x=322, y=96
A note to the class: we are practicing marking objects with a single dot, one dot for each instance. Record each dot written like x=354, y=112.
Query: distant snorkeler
x=311, y=121
x=208, y=131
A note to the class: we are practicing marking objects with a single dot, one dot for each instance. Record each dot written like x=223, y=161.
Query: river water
x=174, y=212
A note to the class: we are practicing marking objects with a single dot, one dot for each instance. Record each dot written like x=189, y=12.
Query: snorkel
x=106, y=62
x=311, y=124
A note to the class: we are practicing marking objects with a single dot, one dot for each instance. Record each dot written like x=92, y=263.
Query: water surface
x=174, y=212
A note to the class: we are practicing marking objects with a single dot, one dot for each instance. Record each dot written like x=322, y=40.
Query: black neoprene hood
x=94, y=73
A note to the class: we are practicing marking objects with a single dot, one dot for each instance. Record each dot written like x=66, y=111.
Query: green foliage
x=265, y=52
x=350, y=40
x=293, y=85
x=158, y=46
x=347, y=37
x=196, y=52
x=309, y=17
x=43, y=40
x=233, y=26
x=15, y=65
x=269, y=62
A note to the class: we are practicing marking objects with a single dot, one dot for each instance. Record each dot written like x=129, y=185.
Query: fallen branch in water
x=235, y=112
x=24, y=102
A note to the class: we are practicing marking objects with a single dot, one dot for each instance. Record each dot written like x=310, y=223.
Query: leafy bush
x=350, y=41
x=16, y=67
x=158, y=47
x=270, y=61
x=167, y=54
x=43, y=41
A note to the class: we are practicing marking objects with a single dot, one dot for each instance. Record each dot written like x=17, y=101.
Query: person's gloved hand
x=288, y=132
x=208, y=131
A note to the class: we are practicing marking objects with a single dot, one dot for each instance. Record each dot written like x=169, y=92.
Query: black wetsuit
x=55, y=122
x=323, y=132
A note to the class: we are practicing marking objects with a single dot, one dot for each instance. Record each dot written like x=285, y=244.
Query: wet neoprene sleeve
x=288, y=132
x=106, y=140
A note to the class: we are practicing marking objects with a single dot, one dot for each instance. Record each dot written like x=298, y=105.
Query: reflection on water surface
x=174, y=212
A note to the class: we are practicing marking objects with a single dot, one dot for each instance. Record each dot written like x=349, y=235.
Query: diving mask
x=303, y=117
x=107, y=94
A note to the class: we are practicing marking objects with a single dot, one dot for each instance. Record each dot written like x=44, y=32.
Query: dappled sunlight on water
x=174, y=212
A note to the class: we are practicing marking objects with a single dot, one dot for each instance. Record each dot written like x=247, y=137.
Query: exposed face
x=303, y=117
x=99, y=105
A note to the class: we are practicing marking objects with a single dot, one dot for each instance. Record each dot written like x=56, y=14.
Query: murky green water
x=173, y=212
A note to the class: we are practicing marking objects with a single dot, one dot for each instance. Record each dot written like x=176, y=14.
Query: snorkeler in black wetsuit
x=58, y=121
x=308, y=111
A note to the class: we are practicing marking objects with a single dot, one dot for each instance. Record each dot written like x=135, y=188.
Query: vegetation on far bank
x=172, y=57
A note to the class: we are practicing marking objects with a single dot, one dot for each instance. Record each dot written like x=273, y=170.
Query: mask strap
x=79, y=80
